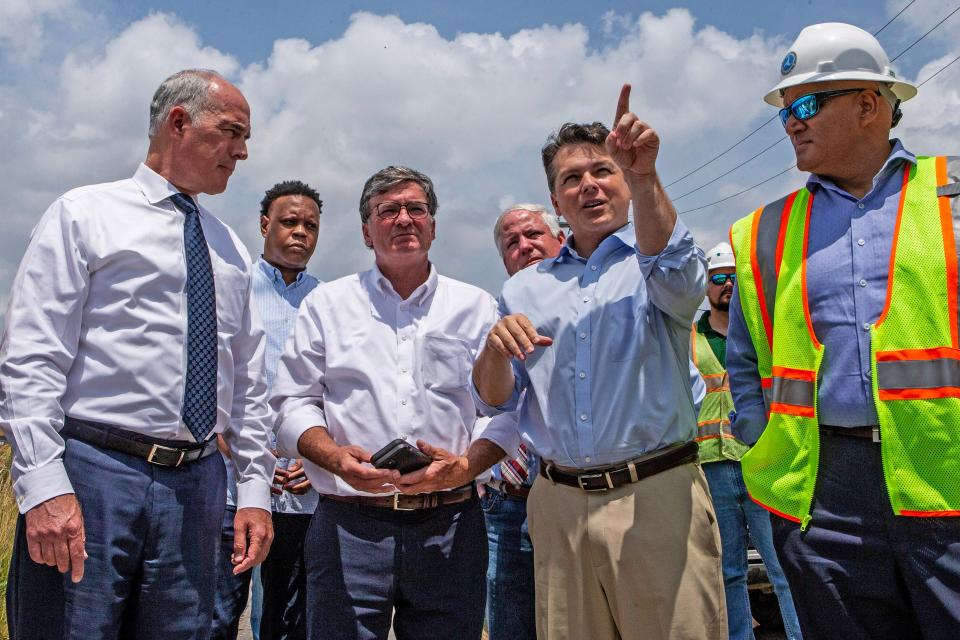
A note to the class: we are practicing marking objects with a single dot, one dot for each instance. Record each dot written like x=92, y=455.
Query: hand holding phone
x=400, y=455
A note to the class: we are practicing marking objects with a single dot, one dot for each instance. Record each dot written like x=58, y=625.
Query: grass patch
x=8, y=524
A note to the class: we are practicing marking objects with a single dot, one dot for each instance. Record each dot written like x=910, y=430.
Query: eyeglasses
x=390, y=210
x=720, y=279
x=805, y=107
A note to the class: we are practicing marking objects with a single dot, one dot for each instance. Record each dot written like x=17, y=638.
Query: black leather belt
x=163, y=453
x=616, y=475
x=403, y=502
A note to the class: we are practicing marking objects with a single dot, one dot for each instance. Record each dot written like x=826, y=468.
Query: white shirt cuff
x=253, y=493
x=39, y=485
x=295, y=424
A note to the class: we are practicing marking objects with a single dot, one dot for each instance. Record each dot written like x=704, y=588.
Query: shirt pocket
x=623, y=323
x=230, y=284
x=446, y=363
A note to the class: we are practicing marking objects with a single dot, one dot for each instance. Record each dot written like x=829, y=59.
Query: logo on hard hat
x=789, y=62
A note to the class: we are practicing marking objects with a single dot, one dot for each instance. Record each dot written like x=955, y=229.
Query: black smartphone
x=400, y=455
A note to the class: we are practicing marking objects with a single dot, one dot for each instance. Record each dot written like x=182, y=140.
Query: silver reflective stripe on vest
x=953, y=180
x=798, y=393
x=768, y=232
x=918, y=374
x=767, y=397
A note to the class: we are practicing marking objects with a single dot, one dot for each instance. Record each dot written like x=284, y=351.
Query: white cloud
x=471, y=111
x=22, y=25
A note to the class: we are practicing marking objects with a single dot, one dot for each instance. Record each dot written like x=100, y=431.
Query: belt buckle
x=158, y=447
x=591, y=476
x=396, y=504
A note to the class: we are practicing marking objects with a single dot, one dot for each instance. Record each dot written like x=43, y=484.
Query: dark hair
x=388, y=178
x=289, y=188
x=594, y=134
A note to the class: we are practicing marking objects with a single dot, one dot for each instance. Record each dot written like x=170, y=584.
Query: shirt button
x=586, y=299
x=866, y=326
x=403, y=338
x=593, y=268
x=403, y=402
x=583, y=335
x=403, y=370
x=863, y=282
x=587, y=459
x=583, y=375
x=859, y=205
x=583, y=417
x=861, y=242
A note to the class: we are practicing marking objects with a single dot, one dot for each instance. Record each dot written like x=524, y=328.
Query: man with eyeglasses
x=741, y=521
x=378, y=355
x=843, y=353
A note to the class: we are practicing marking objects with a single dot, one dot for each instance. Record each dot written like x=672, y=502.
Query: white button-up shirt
x=96, y=329
x=371, y=367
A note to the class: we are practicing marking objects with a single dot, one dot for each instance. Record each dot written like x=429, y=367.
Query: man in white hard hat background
x=843, y=353
x=739, y=518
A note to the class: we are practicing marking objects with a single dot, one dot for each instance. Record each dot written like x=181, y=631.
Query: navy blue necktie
x=200, y=397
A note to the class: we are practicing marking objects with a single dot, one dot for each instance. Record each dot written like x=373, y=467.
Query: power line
x=877, y=32
x=932, y=29
x=938, y=71
x=739, y=193
x=749, y=135
x=750, y=159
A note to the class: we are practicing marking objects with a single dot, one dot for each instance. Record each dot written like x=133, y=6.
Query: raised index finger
x=623, y=104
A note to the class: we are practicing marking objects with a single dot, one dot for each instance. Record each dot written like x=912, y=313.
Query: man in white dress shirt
x=129, y=344
x=382, y=354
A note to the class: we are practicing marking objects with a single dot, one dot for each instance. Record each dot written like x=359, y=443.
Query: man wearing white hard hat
x=740, y=519
x=844, y=360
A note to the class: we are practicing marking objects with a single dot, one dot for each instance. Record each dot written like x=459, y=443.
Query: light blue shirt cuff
x=39, y=485
x=294, y=425
x=493, y=410
x=675, y=255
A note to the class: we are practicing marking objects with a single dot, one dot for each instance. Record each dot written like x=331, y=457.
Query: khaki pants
x=641, y=561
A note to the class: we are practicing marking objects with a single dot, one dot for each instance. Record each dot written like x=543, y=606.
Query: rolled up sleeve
x=676, y=278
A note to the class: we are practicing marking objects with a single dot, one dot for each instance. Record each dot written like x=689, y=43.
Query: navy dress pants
x=423, y=571
x=859, y=572
x=232, y=591
x=284, y=579
x=152, y=535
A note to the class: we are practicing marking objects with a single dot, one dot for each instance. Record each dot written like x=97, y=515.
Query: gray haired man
x=129, y=344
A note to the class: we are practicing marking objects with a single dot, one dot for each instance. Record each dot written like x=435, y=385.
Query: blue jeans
x=232, y=591
x=860, y=572
x=740, y=519
x=152, y=535
x=511, y=613
x=423, y=569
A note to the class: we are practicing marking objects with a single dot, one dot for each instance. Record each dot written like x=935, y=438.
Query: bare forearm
x=483, y=454
x=318, y=447
x=493, y=376
x=653, y=213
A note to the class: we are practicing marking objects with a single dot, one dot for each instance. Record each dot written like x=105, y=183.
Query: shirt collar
x=623, y=236
x=274, y=275
x=421, y=293
x=898, y=155
x=155, y=187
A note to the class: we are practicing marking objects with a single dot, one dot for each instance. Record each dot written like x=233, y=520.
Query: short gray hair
x=388, y=178
x=189, y=89
x=550, y=220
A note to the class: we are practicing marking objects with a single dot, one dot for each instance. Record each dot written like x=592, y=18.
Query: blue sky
x=464, y=91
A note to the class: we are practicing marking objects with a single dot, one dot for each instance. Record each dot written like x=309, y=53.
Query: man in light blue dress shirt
x=289, y=224
x=598, y=340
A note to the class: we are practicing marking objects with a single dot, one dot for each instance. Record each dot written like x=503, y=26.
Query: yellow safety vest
x=914, y=348
x=713, y=424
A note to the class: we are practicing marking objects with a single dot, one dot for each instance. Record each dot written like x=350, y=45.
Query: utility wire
x=750, y=159
x=938, y=71
x=890, y=21
x=749, y=135
x=932, y=29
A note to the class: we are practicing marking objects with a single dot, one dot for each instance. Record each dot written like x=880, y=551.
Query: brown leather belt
x=403, y=502
x=163, y=453
x=866, y=433
x=612, y=476
x=504, y=487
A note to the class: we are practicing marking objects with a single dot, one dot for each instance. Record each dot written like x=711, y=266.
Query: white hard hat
x=720, y=256
x=836, y=51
